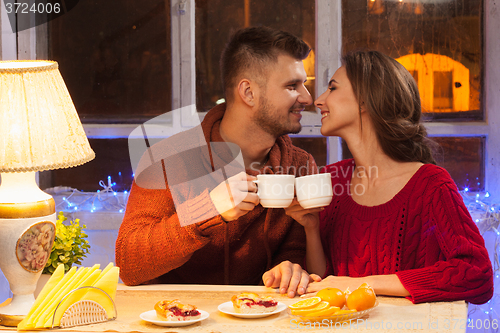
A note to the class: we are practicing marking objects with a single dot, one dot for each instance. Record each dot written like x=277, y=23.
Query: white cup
x=314, y=191
x=275, y=191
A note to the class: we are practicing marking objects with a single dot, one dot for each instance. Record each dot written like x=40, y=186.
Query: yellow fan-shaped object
x=54, y=280
x=106, y=283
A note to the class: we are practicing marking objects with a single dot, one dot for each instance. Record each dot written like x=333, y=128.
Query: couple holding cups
x=278, y=191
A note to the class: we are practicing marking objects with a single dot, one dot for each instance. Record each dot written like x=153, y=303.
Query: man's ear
x=246, y=92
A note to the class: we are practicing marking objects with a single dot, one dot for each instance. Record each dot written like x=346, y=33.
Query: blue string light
x=486, y=215
x=106, y=199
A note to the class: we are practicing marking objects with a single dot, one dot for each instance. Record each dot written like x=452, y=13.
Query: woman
x=396, y=220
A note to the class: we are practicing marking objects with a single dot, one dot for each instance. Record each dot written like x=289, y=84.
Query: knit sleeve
x=292, y=247
x=465, y=273
x=151, y=241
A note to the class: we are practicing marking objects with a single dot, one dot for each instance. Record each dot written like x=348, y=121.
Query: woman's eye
x=331, y=88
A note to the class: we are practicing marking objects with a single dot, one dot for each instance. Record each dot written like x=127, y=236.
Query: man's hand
x=289, y=277
x=235, y=197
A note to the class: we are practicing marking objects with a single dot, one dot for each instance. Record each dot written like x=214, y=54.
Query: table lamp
x=39, y=130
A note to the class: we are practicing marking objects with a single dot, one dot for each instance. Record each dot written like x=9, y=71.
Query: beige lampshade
x=39, y=125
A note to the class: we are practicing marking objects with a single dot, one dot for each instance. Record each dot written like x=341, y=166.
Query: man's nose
x=305, y=97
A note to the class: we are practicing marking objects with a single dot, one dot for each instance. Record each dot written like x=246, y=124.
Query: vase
x=42, y=281
x=27, y=232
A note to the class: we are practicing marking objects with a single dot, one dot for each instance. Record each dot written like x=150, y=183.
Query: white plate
x=150, y=316
x=228, y=308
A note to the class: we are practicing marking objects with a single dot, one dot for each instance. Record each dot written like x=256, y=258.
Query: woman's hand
x=339, y=282
x=308, y=218
x=388, y=284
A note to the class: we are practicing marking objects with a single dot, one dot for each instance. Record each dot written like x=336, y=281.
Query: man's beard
x=274, y=123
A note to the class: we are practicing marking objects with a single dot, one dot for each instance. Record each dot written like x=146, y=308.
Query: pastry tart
x=176, y=311
x=248, y=302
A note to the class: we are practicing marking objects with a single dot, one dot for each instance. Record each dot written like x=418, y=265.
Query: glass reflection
x=439, y=41
x=216, y=20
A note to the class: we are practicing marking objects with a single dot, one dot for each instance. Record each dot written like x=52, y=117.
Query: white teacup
x=275, y=191
x=314, y=191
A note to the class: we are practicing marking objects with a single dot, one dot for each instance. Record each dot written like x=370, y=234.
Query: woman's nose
x=320, y=101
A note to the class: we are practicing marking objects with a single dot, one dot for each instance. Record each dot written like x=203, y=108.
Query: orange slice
x=305, y=303
x=320, y=306
x=344, y=312
x=324, y=313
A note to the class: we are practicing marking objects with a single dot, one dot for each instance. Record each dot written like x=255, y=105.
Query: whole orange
x=361, y=299
x=333, y=296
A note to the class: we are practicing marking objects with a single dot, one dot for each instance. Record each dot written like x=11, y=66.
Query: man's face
x=283, y=97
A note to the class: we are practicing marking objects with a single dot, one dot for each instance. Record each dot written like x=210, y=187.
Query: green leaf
x=70, y=245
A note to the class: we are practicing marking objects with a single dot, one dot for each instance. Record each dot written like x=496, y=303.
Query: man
x=231, y=240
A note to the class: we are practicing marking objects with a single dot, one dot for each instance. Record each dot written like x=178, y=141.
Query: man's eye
x=292, y=87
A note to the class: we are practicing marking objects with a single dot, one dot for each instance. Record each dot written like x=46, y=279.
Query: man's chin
x=294, y=130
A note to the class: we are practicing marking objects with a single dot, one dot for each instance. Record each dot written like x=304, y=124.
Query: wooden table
x=391, y=315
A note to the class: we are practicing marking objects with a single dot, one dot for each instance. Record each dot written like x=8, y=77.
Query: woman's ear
x=362, y=107
x=246, y=92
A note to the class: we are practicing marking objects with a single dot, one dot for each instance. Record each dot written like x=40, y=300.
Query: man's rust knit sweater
x=153, y=247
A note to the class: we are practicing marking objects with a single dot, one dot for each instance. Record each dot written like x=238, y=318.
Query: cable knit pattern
x=153, y=247
x=424, y=234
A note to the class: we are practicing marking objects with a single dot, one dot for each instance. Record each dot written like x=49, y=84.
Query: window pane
x=315, y=146
x=462, y=157
x=112, y=159
x=443, y=94
x=216, y=20
x=438, y=41
x=115, y=58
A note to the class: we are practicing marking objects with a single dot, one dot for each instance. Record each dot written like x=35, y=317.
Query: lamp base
x=10, y=314
x=25, y=245
x=10, y=320
x=27, y=232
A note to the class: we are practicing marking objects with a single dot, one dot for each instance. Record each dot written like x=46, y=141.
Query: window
x=439, y=42
x=463, y=158
x=408, y=30
x=217, y=20
x=117, y=66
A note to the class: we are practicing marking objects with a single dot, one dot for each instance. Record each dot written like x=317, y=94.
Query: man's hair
x=252, y=50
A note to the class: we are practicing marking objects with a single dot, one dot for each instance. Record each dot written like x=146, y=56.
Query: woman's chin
x=325, y=131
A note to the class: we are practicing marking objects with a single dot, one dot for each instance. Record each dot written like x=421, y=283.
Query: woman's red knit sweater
x=424, y=234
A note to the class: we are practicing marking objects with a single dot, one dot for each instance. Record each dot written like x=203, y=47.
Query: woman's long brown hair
x=390, y=95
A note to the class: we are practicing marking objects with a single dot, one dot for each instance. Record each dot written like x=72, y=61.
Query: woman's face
x=338, y=105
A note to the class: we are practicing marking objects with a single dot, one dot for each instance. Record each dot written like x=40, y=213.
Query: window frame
x=33, y=43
